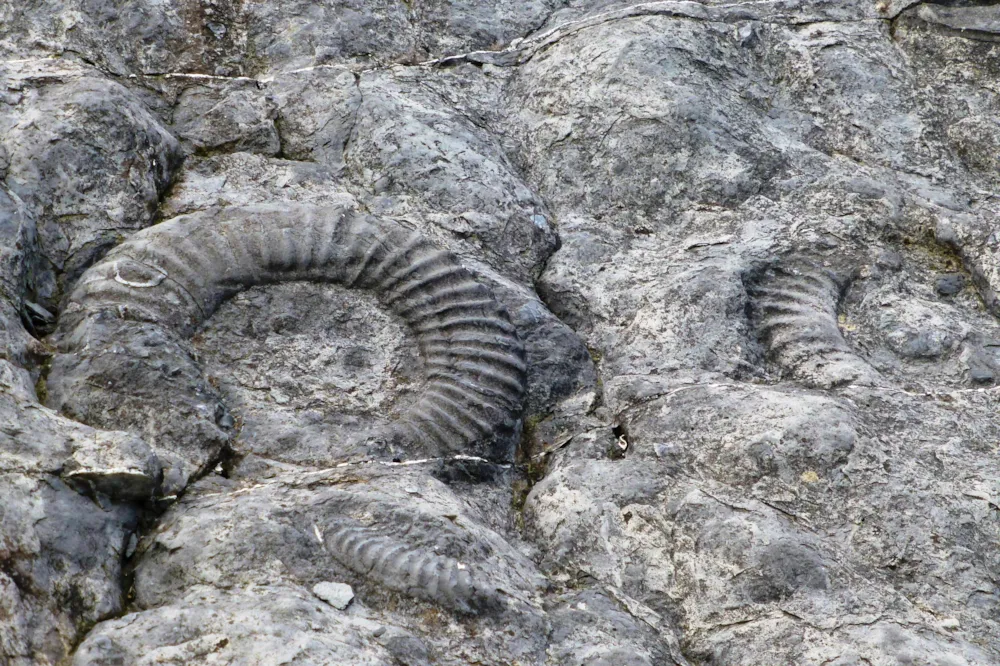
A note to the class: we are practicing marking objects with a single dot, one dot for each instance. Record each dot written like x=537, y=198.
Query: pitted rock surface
x=328, y=362
x=585, y=332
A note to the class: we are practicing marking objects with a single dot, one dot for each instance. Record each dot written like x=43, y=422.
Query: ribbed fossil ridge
x=417, y=572
x=795, y=307
x=176, y=274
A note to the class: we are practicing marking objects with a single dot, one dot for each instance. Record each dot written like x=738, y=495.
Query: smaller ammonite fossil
x=420, y=573
x=124, y=360
x=794, y=305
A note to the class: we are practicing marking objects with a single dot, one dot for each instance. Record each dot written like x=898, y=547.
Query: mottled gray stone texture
x=511, y=333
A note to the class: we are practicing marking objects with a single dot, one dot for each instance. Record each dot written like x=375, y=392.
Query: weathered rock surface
x=608, y=333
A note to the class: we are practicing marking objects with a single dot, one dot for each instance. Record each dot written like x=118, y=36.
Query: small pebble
x=338, y=595
x=378, y=632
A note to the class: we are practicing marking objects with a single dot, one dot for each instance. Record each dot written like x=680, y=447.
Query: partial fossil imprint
x=417, y=572
x=795, y=307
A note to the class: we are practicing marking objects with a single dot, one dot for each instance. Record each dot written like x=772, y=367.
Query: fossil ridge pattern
x=795, y=307
x=157, y=288
x=413, y=571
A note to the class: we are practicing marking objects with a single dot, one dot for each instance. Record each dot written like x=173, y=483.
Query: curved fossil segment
x=795, y=311
x=419, y=573
x=173, y=276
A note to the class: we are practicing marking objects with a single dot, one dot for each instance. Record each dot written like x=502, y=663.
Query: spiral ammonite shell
x=125, y=362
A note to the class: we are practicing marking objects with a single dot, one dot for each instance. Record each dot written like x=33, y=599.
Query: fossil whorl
x=795, y=311
x=417, y=572
x=171, y=277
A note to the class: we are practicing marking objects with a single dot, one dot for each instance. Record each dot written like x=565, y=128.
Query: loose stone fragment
x=338, y=595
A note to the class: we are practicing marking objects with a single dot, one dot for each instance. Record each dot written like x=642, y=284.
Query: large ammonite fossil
x=124, y=360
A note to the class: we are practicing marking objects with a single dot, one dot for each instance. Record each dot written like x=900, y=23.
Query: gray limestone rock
x=60, y=569
x=588, y=332
x=413, y=156
x=211, y=624
x=87, y=159
x=226, y=116
x=227, y=37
